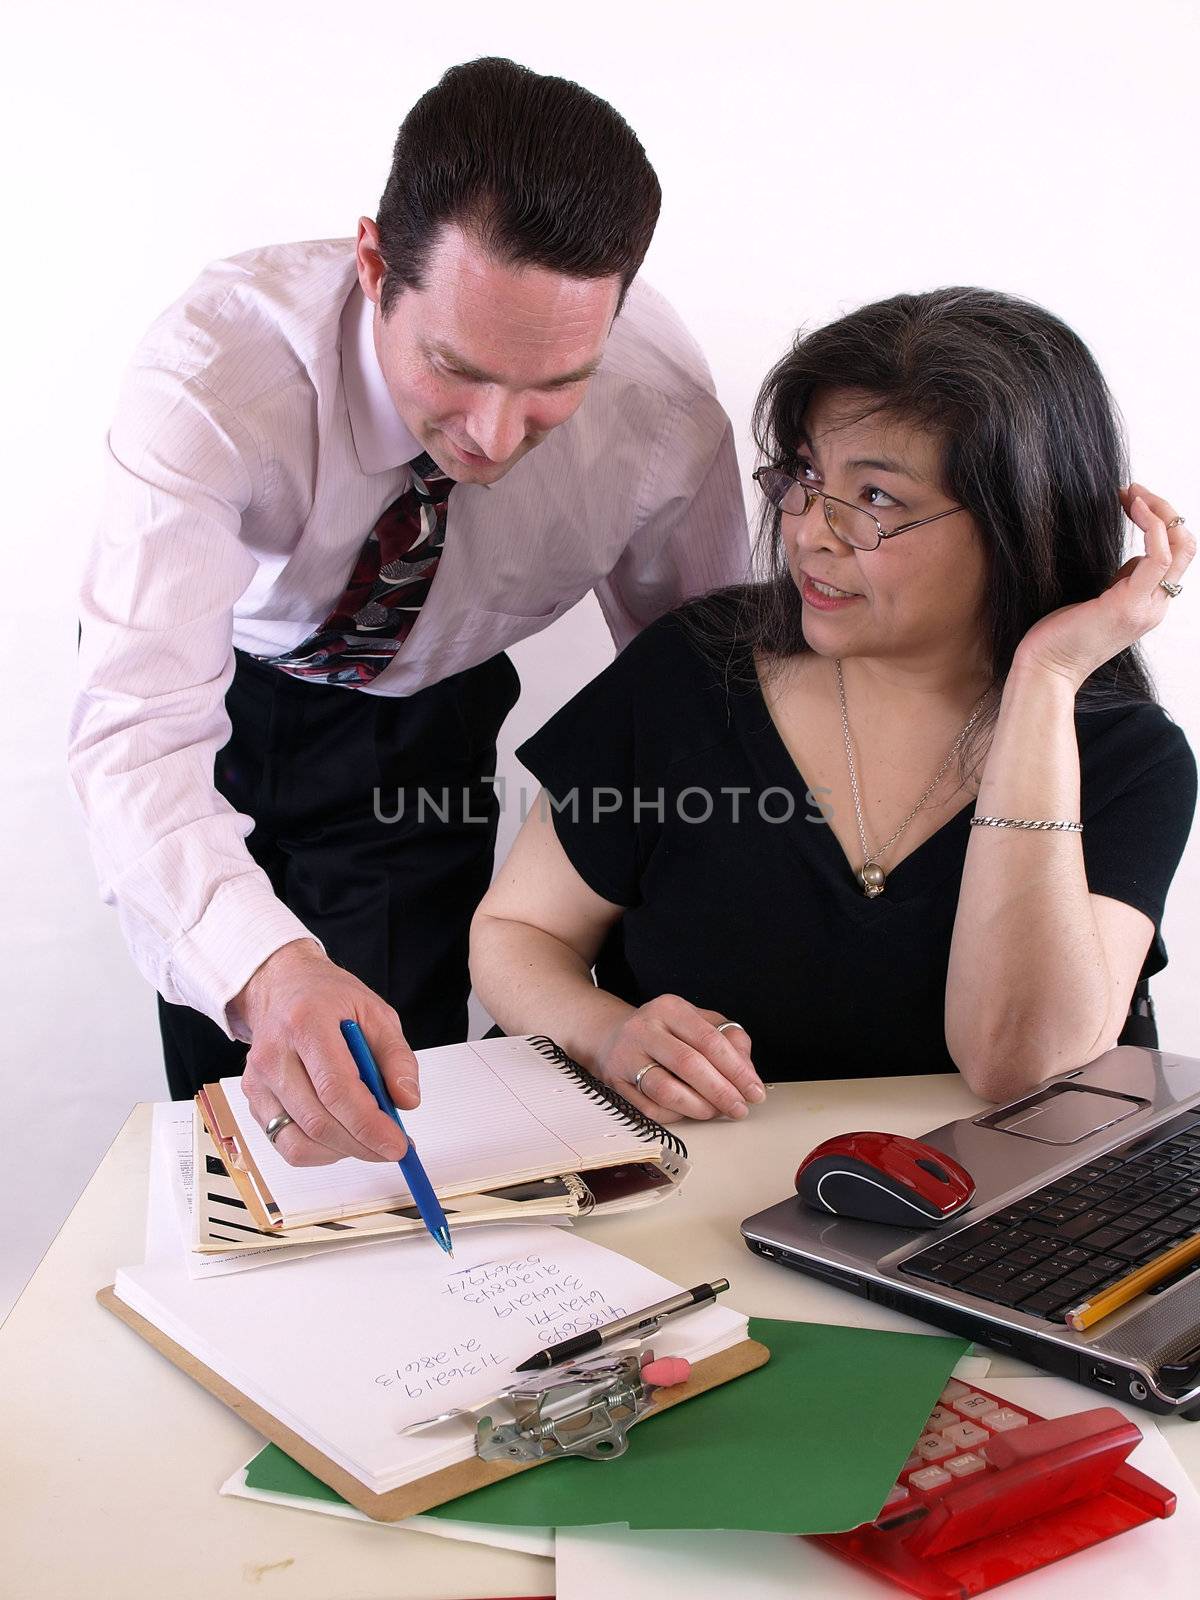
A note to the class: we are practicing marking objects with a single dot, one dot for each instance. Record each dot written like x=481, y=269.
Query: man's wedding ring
x=1173, y=589
x=638, y=1076
x=276, y=1125
x=722, y=1027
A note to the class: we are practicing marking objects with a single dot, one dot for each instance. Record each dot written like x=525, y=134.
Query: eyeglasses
x=853, y=525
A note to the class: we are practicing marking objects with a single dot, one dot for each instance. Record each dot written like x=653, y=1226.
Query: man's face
x=484, y=360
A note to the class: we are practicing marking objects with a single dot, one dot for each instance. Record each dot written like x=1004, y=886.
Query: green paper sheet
x=810, y=1443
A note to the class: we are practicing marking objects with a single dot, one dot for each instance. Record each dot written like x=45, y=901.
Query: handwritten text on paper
x=528, y=1290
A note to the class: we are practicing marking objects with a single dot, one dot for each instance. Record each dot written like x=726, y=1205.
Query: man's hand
x=699, y=1071
x=299, y=1062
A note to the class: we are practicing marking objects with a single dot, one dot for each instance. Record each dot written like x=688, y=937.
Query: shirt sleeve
x=156, y=658
x=598, y=762
x=691, y=535
x=1133, y=842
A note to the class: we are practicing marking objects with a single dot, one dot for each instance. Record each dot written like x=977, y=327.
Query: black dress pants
x=374, y=821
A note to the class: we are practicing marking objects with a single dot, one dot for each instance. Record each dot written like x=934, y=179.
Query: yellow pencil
x=1179, y=1255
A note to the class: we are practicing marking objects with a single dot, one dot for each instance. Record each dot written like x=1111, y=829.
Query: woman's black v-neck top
x=675, y=797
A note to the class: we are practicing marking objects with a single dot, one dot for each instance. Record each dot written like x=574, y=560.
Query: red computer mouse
x=884, y=1177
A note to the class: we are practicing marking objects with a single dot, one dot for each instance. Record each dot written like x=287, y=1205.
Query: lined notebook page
x=492, y=1112
x=591, y=1128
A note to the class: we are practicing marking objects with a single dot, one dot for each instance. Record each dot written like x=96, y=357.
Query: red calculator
x=992, y=1491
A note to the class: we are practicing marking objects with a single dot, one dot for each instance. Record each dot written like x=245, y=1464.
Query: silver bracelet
x=1024, y=822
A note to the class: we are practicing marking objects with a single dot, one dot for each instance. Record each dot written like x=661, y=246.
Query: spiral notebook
x=494, y=1113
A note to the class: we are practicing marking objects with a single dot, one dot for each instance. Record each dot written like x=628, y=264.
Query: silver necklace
x=871, y=875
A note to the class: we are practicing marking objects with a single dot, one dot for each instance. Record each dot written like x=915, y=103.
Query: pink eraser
x=666, y=1371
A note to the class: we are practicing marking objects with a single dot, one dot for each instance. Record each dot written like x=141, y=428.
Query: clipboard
x=409, y=1499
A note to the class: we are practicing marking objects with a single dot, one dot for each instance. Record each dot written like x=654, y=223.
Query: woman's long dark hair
x=1033, y=449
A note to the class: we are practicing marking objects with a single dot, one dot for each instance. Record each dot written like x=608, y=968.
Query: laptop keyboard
x=1067, y=1240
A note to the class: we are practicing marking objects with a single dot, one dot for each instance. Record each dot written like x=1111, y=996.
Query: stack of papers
x=182, y=1152
x=178, y=1204
x=509, y=1129
x=347, y=1348
x=493, y=1113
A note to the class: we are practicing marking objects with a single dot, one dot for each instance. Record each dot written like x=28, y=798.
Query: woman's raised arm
x=1041, y=970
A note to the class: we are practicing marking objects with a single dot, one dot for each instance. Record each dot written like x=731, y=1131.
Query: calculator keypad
x=974, y=1404
x=1004, y=1420
x=932, y=1447
x=952, y=1446
x=930, y=1478
x=966, y=1434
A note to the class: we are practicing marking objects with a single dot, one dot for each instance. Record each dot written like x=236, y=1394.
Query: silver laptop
x=1078, y=1183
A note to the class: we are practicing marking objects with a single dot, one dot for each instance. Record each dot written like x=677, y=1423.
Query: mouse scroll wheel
x=933, y=1169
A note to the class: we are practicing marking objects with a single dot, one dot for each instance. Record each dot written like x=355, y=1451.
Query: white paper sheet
x=1157, y=1559
x=171, y=1196
x=533, y=1541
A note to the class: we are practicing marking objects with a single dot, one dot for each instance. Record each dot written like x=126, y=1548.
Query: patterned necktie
x=384, y=593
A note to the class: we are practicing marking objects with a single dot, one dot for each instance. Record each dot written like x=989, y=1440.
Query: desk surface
x=111, y=1459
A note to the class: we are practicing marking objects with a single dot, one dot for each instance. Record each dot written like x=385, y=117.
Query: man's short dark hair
x=543, y=172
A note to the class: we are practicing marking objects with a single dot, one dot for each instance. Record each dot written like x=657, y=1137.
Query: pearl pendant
x=872, y=877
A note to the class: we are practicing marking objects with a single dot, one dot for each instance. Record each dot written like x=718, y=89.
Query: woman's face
x=917, y=599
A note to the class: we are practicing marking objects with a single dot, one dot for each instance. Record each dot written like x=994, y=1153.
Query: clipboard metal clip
x=582, y=1410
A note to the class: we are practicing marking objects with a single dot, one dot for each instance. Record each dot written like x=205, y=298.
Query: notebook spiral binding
x=645, y=1127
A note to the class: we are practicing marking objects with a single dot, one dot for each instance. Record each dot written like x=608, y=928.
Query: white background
x=812, y=157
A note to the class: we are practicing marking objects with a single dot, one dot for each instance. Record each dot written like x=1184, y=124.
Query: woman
x=905, y=803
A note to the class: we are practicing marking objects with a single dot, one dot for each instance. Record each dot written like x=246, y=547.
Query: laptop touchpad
x=1064, y=1113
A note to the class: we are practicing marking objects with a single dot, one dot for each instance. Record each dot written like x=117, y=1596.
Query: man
x=322, y=531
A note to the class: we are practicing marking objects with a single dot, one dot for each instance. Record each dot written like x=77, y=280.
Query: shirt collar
x=381, y=439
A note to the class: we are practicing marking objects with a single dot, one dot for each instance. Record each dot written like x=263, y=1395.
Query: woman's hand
x=697, y=1070
x=1073, y=641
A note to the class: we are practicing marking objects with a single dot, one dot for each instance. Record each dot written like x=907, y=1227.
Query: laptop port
x=1104, y=1379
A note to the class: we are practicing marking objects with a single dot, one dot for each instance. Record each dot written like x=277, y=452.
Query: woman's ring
x=276, y=1125
x=1176, y=522
x=1173, y=589
x=724, y=1025
x=638, y=1076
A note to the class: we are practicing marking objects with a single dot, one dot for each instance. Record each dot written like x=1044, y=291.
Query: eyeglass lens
x=850, y=524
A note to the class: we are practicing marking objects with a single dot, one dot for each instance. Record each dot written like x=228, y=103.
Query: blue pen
x=419, y=1185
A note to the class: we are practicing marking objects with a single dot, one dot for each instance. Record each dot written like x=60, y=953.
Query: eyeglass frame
x=812, y=494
